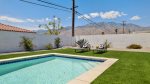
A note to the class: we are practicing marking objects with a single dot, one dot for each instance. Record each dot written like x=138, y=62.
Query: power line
x=54, y=4
x=64, y=9
x=43, y=5
x=85, y=18
x=73, y=12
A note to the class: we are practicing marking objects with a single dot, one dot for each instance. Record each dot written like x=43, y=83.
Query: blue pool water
x=49, y=70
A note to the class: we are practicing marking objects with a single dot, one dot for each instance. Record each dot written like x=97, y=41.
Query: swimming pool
x=50, y=69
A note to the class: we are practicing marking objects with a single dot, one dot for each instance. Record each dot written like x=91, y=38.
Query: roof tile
x=4, y=27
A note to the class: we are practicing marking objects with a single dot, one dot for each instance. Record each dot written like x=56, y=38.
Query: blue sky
x=17, y=13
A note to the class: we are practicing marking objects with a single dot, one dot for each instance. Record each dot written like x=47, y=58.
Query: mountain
x=40, y=31
x=106, y=27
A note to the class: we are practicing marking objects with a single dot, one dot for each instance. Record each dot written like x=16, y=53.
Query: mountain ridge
x=105, y=27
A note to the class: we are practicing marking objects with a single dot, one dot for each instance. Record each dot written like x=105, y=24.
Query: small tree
x=27, y=43
x=107, y=44
x=49, y=46
x=53, y=27
x=57, y=42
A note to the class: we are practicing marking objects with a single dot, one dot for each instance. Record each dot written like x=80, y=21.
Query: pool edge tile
x=76, y=81
x=92, y=74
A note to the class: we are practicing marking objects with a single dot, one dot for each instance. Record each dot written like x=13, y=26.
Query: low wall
x=10, y=41
x=119, y=40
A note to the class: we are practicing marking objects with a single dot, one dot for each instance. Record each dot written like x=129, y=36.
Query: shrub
x=134, y=46
x=82, y=42
x=97, y=47
x=26, y=43
x=57, y=42
x=107, y=44
x=49, y=46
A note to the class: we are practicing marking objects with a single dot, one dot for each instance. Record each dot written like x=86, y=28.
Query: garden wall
x=119, y=40
x=10, y=41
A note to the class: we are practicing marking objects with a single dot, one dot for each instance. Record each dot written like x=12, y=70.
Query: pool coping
x=85, y=78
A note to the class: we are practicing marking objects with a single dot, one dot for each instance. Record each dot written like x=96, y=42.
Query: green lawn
x=132, y=67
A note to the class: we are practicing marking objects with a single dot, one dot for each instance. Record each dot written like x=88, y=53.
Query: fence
x=120, y=40
x=9, y=41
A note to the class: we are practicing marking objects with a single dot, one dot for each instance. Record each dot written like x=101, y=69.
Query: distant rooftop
x=4, y=27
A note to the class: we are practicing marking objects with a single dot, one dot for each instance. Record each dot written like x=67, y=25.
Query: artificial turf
x=131, y=68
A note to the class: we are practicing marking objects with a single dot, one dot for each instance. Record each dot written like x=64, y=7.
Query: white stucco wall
x=120, y=40
x=9, y=41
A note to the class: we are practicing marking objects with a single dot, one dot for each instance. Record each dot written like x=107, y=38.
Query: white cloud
x=135, y=18
x=111, y=14
x=84, y=16
x=17, y=20
x=30, y=20
x=93, y=15
x=123, y=14
x=11, y=19
x=103, y=15
x=40, y=20
x=47, y=19
x=55, y=18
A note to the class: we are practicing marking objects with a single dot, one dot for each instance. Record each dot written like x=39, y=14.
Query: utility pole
x=123, y=24
x=73, y=17
x=116, y=31
x=129, y=31
x=54, y=22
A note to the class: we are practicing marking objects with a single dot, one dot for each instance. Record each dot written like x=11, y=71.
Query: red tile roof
x=4, y=27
